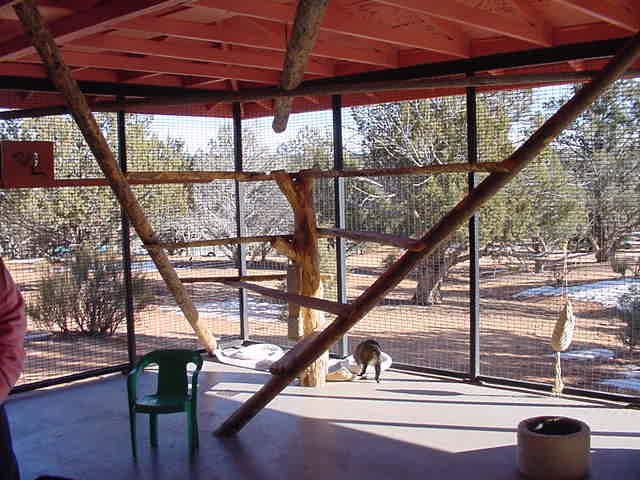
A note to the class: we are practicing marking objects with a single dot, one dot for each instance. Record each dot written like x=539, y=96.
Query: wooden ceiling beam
x=459, y=13
x=85, y=23
x=343, y=22
x=180, y=51
x=166, y=65
x=624, y=16
x=258, y=34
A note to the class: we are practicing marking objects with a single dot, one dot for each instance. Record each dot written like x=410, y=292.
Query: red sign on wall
x=26, y=164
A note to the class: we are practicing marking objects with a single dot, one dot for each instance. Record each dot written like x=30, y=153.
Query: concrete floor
x=408, y=426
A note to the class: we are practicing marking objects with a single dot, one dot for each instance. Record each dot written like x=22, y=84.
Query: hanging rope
x=563, y=331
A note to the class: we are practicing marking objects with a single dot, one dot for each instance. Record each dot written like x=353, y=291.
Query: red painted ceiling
x=239, y=44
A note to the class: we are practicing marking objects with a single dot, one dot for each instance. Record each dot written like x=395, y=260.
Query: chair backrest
x=172, y=369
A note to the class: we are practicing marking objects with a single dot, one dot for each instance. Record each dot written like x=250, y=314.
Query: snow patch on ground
x=606, y=292
x=630, y=379
x=587, y=355
x=629, y=384
x=260, y=311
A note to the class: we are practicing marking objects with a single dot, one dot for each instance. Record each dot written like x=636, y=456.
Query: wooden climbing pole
x=313, y=346
x=76, y=102
x=302, y=250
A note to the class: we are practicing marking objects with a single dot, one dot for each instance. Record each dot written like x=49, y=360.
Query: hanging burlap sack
x=561, y=339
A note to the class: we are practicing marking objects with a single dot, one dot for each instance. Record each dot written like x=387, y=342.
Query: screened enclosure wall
x=184, y=213
x=62, y=247
x=568, y=227
x=307, y=143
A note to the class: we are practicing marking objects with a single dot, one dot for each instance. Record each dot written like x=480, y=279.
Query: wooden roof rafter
x=194, y=51
x=340, y=21
x=85, y=23
x=253, y=33
x=163, y=65
x=625, y=14
x=461, y=14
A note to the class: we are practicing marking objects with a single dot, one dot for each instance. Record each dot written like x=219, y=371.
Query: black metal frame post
x=241, y=259
x=340, y=212
x=474, y=257
x=126, y=245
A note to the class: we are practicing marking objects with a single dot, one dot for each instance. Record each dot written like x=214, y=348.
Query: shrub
x=629, y=308
x=85, y=295
x=619, y=266
x=390, y=260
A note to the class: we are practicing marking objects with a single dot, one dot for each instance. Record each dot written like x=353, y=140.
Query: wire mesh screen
x=180, y=214
x=307, y=143
x=61, y=245
x=565, y=230
x=424, y=320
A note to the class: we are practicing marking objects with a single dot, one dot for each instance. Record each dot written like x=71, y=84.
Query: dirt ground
x=514, y=332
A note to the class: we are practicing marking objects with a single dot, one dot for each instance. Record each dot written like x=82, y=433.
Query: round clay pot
x=555, y=448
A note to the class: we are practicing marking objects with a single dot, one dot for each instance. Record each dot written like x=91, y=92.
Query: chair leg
x=132, y=429
x=153, y=429
x=192, y=430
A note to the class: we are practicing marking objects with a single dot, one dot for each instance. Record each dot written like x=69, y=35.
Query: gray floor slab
x=408, y=426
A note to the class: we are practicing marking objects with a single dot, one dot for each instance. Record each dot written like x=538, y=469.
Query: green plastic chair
x=172, y=396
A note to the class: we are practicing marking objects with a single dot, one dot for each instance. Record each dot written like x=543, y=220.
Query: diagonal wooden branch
x=449, y=223
x=306, y=27
x=381, y=238
x=303, y=300
x=61, y=77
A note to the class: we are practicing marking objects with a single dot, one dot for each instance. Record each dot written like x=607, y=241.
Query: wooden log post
x=449, y=223
x=306, y=27
x=295, y=330
x=306, y=261
x=61, y=77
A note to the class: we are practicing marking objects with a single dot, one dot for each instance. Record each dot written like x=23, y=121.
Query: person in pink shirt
x=13, y=323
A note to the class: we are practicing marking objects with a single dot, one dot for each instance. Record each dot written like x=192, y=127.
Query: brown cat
x=367, y=353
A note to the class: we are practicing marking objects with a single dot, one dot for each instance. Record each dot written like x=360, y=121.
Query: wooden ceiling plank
x=306, y=27
x=340, y=21
x=251, y=35
x=166, y=65
x=534, y=18
x=623, y=16
x=477, y=18
x=266, y=60
x=86, y=23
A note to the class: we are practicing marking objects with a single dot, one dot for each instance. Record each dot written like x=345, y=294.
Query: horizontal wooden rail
x=217, y=242
x=242, y=278
x=210, y=176
x=179, y=177
x=381, y=238
x=309, y=302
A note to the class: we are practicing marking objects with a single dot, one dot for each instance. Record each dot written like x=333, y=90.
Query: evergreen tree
x=601, y=150
x=432, y=132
